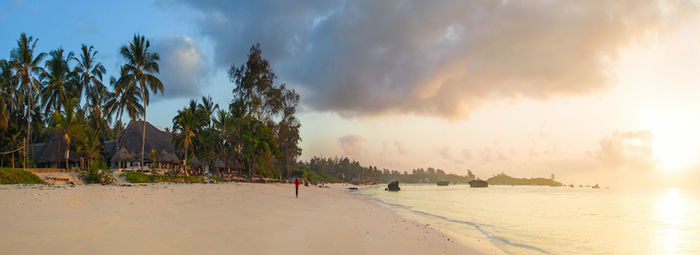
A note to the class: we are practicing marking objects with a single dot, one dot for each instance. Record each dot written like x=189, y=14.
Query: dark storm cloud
x=441, y=58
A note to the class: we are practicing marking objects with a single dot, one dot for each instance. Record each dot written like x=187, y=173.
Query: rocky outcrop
x=393, y=186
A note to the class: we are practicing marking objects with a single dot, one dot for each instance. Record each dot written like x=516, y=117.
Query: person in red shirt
x=296, y=184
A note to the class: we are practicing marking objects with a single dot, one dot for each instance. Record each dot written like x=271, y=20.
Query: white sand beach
x=230, y=218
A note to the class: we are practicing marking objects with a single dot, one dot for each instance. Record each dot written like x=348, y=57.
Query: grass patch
x=134, y=177
x=18, y=176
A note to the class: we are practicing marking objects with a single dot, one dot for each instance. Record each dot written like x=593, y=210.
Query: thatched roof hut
x=172, y=158
x=49, y=152
x=194, y=161
x=218, y=163
x=131, y=139
x=163, y=156
x=122, y=155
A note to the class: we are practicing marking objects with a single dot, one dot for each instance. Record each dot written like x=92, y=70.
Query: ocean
x=554, y=220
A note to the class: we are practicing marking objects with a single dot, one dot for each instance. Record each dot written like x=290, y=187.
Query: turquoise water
x=555, y=220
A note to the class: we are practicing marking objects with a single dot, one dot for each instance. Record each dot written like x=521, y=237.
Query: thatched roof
x=47, y=152
x=163, y=156
x=218, y=163
x=171, y=158
x=122, y=155
x=194, y=161
x=156, y=139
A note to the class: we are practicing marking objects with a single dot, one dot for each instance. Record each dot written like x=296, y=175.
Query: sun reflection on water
x=670, y=210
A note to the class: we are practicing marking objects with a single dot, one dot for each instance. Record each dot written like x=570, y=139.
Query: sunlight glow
x=674, y=138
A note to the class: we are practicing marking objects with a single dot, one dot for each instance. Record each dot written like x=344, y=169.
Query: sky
x=590, y=91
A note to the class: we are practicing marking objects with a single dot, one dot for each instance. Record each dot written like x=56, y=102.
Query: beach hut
x=163, y=157
x=218, y=165
x=195, y=163
x=122, y=155
x=131, y=139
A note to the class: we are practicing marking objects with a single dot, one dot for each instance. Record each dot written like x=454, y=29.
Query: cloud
x=441, y=58
x=400, y=147
x=631, y=150
x=467, y=154
x=183, y=66
x=444, y=152
x=351, y=144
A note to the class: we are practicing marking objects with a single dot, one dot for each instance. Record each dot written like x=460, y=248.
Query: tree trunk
x=116, y=145
x=251, y=169
x=186, y=159
x=67, y=153
x=143, y=141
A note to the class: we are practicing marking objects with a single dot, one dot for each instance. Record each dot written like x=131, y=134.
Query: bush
x=98, y=173
x=18, y=176
x=134, y=177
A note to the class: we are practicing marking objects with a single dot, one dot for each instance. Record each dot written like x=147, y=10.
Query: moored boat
x=443, y=183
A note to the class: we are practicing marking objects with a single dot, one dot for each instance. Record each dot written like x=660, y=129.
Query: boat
x=478, y=184
x=443, y=183
x=596, y=186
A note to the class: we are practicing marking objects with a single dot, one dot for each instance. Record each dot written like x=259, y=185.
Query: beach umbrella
x=172, y=158
x=194, y=161
x=163, y=156
x=122, y=155
x=218, y=163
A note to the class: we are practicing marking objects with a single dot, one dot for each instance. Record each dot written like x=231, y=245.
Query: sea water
x=554, y=220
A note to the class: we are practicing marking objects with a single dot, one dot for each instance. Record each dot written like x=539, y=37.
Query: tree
x=57, y=81
x=90, y=145
x=185, y=125
x=254, y=85
x=90, y=75
x=154, y=155
x=27, y=72
x=7, y=92
x=127, y=96
x=141, y=67
x=258, y=141
x=70, y=123
x=288, y=137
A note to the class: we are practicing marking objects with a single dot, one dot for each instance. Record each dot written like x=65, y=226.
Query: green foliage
x=503, y=179
x=18, y=176
x=310, y=175
x=99, y=176
x=135, y=177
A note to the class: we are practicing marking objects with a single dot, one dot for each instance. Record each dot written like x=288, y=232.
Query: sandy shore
x=206, y=219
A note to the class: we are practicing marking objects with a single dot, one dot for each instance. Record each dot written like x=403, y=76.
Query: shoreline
x=208, y=218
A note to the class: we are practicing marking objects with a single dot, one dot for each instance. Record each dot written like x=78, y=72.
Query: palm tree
x=70, y=123
x=7, y=90
x=185, y=123
x=127, y=96
x=56, y=80
x=141, y=67
x=27, y=72
x=90, y=73
x=154, y=155
x=90, y=146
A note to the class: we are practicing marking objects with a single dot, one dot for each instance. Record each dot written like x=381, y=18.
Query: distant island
x=503, y=179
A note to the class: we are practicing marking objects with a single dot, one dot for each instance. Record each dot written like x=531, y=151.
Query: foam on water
x=555, y=220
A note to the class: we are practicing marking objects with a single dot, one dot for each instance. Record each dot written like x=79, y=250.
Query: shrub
x=18, y=176
x=135, y=177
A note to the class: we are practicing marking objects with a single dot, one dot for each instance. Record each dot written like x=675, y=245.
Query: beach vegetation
x=136, y=177
x=18, y=176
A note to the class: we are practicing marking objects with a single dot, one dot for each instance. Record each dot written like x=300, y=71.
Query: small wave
x=468, y=223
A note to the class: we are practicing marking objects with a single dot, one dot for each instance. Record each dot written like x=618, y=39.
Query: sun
x=675, y=143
